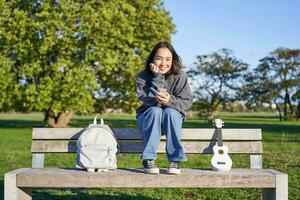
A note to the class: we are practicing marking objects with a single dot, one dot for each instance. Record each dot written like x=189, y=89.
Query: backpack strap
x=101, y=120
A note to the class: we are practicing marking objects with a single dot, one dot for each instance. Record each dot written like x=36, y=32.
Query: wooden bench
x=19, y=183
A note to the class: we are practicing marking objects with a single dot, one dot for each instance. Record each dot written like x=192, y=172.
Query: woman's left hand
x=163, y=97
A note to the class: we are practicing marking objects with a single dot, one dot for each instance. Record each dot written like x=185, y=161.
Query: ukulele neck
x=220, y=139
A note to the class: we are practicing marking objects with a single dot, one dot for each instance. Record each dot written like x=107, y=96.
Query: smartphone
x=162, y=91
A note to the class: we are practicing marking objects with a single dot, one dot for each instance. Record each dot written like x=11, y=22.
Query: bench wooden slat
x=245, y=147
x=133, y=134
x=189, y=178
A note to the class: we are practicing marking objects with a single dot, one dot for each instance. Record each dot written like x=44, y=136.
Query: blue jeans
x=152, y=123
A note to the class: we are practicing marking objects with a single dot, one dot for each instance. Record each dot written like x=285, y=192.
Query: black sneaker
x=149, y=166
x=174, y=167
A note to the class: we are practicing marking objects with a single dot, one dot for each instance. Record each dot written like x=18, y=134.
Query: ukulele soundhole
x=221, y=151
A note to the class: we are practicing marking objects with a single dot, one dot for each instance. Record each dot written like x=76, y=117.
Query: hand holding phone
x=162, y=90
x=162, y=96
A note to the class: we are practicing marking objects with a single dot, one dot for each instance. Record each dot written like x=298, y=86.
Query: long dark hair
x=176, y=60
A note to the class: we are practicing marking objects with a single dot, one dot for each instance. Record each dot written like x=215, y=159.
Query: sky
x=251, y=28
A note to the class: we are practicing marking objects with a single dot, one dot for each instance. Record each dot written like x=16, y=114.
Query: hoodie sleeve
x=147, y=86
x=181, y=98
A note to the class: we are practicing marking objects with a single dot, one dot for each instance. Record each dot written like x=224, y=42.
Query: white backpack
x=97, y=148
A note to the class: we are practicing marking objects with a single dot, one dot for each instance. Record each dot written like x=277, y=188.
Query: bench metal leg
x=281, y=190
x=269, y=194
x=38, y=160
x=256, y=161
x=11, y=191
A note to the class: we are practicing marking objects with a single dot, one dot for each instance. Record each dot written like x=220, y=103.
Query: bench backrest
x=195, y=140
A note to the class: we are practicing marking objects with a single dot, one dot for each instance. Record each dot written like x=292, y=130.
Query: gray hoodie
x=177, y=86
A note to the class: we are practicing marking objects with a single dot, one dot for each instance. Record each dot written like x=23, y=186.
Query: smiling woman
x=163, y=89
x=162, y=61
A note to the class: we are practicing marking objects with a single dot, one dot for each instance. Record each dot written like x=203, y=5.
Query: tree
x=259, y=89
x=67, y=56
x=40, y=40
x=276, y=80
x=216, y=78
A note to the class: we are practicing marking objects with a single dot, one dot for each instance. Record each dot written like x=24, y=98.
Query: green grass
x=281, y=152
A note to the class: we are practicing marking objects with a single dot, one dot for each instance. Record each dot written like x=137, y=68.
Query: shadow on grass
x=116, y=123
x=251, y=116
x=250, y=120
x=274, y=128
x=82, y=194
x=78, y=194
x=131, y=123
x=11, y=123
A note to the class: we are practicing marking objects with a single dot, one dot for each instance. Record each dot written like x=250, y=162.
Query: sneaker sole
x=151, y=171
x=173, y=171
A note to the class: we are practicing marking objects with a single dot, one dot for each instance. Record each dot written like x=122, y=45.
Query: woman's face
x=163, y=60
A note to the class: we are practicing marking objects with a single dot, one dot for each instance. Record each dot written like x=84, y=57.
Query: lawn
x=281, y=152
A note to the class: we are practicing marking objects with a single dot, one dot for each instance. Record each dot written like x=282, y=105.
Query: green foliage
x=258, y=89
x=66, y=55
x=50, y=74
x=217, y=77
x=276, y=80
x=8, y=87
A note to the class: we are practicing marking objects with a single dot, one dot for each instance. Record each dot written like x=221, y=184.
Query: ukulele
x=220, y=160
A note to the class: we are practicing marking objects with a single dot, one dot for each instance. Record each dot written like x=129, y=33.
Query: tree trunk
x=287, y=103
x=298, y=111
x=279, y=110
x=210, y=115
x=291, y=116
x=58, y=120
x=285, y=107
